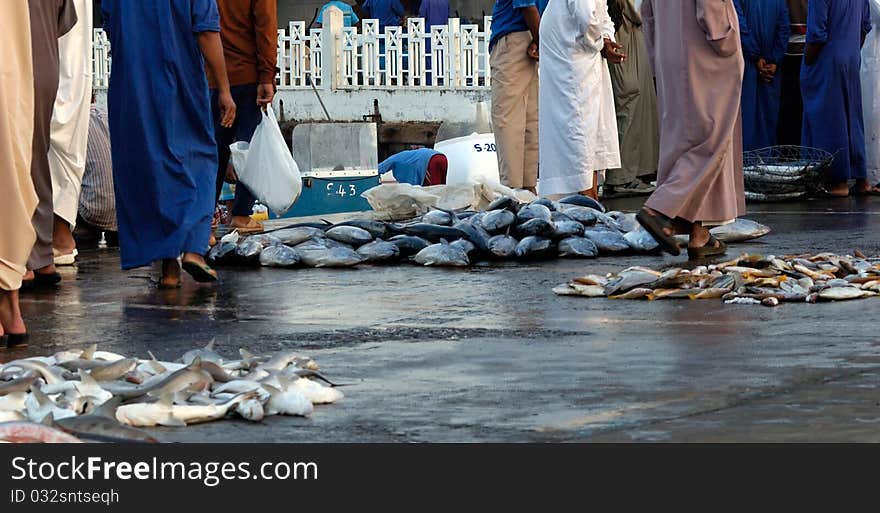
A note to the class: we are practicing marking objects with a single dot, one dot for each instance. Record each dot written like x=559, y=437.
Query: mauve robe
x=695, y=51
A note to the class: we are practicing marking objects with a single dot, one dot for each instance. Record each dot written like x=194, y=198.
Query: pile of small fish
x=574, y=227
x=104, y=396
x=749, y=279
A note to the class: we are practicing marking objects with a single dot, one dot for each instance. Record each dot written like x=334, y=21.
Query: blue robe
x=831, y=87
x=764, y=31
x=164, y=153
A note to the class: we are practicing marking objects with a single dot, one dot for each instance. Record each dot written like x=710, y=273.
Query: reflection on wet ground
x=490, y=354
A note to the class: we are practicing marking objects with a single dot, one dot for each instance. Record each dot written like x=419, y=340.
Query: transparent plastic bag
x=266, y=166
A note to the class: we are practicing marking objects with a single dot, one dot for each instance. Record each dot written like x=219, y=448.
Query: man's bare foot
x=62, y=238
x=245, y=224
x=699, y=236
x=864, y=188
x=838, y=189
x=170, y=273
x=11, y=321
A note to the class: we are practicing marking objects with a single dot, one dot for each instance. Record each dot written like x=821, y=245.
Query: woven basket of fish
x=780, y=173
x=748, y=279
x=508, y=230
x=93, y=395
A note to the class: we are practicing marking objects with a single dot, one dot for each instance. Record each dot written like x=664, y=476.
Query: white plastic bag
x=400, y=200
x=266, y=166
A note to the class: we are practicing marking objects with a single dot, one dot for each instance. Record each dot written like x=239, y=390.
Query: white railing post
x=454, y=53
x=416, y=50
x=331, y=38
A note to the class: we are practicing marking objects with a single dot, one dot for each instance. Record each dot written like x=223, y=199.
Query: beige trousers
x=16, y=138
x=515, y=110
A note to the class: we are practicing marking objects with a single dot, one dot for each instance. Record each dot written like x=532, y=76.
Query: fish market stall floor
x=491, y=354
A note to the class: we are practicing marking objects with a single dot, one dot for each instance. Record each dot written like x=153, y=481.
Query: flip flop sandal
x=62, y=259
x=200, y=273
x=655, y=225
x=713, y=247
x=41, y=281
x=17, y=340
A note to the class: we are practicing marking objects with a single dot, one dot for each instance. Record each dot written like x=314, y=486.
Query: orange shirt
x=249, y=30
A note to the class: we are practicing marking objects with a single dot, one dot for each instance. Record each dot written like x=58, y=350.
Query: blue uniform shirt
x=409, y=166
x=388, y=12
x=507, y=17
x=351, y=19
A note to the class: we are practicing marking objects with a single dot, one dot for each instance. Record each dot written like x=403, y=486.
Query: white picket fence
x=446, y=57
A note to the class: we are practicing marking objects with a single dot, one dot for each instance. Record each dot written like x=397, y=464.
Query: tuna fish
x=442, y=255
x=585, y=216
x=433, y=232
x=640, y=240
x=583, y=201
x=475, y=233
x=248, y=251
x=294, y=236
x=534, y=247
x=279, y=256
x=222, y=253
x=379, y=251
x=565, y=229
x=377, y=229
x=331, y=257
x=351, y=235
x=537, y=228
x=534, y=211
x=503, y=246
x=439, y=217
x=607, y=241
x=409, y=245
x=498, y=221
x=577, y=247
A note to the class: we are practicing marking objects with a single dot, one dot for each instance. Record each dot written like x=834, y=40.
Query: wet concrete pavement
x=491, y=354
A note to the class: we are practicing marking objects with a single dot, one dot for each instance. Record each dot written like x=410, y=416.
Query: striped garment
x=97, y=205
x=797, y=14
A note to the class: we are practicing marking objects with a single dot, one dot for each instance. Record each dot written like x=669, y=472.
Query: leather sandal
x=14, y=340
x=712, y=248
x=656, y=224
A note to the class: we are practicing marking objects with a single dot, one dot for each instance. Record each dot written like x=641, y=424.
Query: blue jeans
x=247, y=118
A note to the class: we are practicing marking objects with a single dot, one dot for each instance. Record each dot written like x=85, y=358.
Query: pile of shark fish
x=103, y=396
x=748, y=279
x=574, y=227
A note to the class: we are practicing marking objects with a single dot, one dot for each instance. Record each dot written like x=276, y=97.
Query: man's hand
x=265, y=94
x=533, y=50
x=227, y=109
x=613, y=52
x=766, y=70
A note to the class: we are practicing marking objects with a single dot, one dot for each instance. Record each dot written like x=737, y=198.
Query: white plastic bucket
x=472, y=159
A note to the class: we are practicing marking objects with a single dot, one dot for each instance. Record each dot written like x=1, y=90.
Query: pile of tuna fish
x=574, y=227
x=103, y=396
x=749, y=279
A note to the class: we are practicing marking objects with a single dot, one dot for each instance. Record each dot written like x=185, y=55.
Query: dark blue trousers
x=247, y=118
